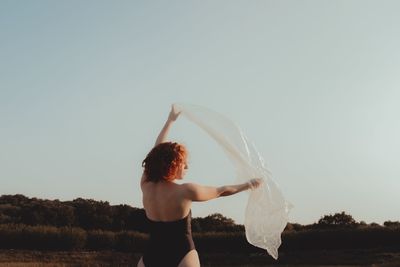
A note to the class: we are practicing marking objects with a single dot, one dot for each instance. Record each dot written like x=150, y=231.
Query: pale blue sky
x=86, y=86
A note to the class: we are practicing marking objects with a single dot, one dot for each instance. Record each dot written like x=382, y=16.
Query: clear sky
x=85, y=87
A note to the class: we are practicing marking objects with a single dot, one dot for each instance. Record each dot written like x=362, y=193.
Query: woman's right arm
x=197, y=192
x=162, y=136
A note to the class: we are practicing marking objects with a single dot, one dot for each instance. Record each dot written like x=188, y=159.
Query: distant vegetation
x=89, y=214
x=85, y=224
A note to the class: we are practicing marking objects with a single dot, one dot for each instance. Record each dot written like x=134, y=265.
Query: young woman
x=168, y=204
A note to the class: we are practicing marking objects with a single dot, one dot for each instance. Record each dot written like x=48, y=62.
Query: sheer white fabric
x=267, y=211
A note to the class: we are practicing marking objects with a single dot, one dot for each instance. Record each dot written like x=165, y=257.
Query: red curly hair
x=163, y=161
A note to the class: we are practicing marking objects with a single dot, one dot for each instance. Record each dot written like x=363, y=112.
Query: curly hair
x=163, y=161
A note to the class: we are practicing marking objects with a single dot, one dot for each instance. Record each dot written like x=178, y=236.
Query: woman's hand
x=254, y=183
x=173, y=115
x=162, y=136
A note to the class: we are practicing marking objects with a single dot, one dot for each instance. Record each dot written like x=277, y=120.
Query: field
x=348, y=258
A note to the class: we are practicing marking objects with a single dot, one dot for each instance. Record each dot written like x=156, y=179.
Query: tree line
x=90, y=214
x=86, y=224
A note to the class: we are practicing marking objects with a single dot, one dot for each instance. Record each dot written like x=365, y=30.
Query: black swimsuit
x=169, y=242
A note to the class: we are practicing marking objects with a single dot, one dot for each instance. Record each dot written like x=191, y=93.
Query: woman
x=168, y=204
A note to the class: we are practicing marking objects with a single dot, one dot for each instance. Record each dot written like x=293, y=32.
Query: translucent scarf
x=267, y=211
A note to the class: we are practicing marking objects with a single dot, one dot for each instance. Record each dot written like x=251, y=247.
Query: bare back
x=165, y=201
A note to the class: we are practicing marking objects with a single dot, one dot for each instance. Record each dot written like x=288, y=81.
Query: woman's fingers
x=173, y=115
x=256, y=182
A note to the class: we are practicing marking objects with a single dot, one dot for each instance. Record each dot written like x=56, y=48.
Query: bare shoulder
x=190, y=187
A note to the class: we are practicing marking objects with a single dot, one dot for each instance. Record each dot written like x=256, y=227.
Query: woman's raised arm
x=162, y=136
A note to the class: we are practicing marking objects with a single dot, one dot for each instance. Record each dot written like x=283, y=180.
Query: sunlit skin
x=182, y=171
x=170, y=201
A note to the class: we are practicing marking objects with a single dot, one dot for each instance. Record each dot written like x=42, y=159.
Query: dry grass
x=64, y=259
x=21, y=258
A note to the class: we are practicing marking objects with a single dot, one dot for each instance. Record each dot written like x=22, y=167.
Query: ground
x=372, y=258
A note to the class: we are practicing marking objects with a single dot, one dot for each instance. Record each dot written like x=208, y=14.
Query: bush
x=347, y=238
x=19, y=236
x=130, y=241
x=222, y=242
x=100, y=240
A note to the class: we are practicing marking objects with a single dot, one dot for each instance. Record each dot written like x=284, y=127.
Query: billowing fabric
x=267, y=211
